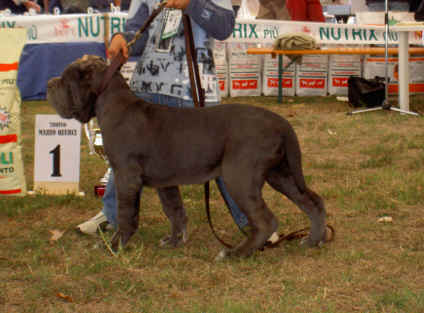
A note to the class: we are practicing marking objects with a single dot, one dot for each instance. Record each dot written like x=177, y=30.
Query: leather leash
x=198, y=93
x=208, y=215
x=119, y=59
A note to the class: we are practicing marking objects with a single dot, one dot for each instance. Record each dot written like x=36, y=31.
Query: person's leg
x=107, y=215
x=110, y=202
x=239, y=218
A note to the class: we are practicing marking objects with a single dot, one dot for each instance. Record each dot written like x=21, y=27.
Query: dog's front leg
x=172, y=205
x=128, y=189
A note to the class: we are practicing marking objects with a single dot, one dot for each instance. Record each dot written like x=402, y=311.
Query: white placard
x=57, y=149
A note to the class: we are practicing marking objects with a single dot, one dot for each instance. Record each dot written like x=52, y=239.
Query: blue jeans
x=109, y=198
x=393, y=6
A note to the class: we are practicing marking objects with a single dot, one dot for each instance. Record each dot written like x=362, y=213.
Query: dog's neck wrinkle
x=118, y=85
x=115, y=84
x=118, y=89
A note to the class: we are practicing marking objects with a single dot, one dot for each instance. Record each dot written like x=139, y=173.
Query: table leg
x=403, y=71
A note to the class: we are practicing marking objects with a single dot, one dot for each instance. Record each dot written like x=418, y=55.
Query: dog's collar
x=114, y=66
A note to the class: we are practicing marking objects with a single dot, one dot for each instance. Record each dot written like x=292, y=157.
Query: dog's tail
x=294, y=160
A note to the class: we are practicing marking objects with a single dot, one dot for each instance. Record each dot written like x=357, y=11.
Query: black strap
x=208, y=214
x=197, y=92
x=198, y=96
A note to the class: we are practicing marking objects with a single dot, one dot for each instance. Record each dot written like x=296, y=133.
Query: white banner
x=93, y=27
x=266, y=31
x=67, y=27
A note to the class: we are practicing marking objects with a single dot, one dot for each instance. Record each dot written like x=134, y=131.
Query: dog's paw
x=308, y=242
x=319, y=240
x=171, y=241
x=168, y=242
x=119, y=240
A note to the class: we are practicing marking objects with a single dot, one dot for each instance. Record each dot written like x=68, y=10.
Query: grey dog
x=163, y=147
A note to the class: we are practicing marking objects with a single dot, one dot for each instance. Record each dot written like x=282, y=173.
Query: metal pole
x=386, y=103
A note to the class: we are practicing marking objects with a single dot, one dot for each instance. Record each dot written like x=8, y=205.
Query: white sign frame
x=57, y=152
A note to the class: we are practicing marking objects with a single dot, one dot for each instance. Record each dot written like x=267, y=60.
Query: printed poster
x=12, y=177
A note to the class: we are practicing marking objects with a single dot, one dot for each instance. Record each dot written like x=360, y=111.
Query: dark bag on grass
x=366, y=92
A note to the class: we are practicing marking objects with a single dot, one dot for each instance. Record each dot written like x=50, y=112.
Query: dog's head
x=74, y=94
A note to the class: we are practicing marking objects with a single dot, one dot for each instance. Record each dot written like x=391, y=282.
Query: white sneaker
x=90, y=227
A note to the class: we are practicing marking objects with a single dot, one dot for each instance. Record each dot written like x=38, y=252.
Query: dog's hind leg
x=128, y=189
x=172, y=205
x=246, y=191
x=308, y=201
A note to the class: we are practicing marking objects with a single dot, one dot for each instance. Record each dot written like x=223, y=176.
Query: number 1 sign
x=56, y=154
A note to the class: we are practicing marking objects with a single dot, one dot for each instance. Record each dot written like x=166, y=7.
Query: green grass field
x=364, y=166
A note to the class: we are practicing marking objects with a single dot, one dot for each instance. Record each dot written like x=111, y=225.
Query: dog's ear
x=78, y=78
x=58, y=97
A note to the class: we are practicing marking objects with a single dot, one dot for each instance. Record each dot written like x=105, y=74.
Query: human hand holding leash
x=177, y=4
x=118, y=44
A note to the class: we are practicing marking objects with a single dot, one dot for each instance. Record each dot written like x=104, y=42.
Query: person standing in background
x=380, y=5
x=273, y=10
x=417, y=6
x=19, y=6
x=357, y=6
x=105, y=5
x=305, y=10
x=236, y=6
x=414, y=5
